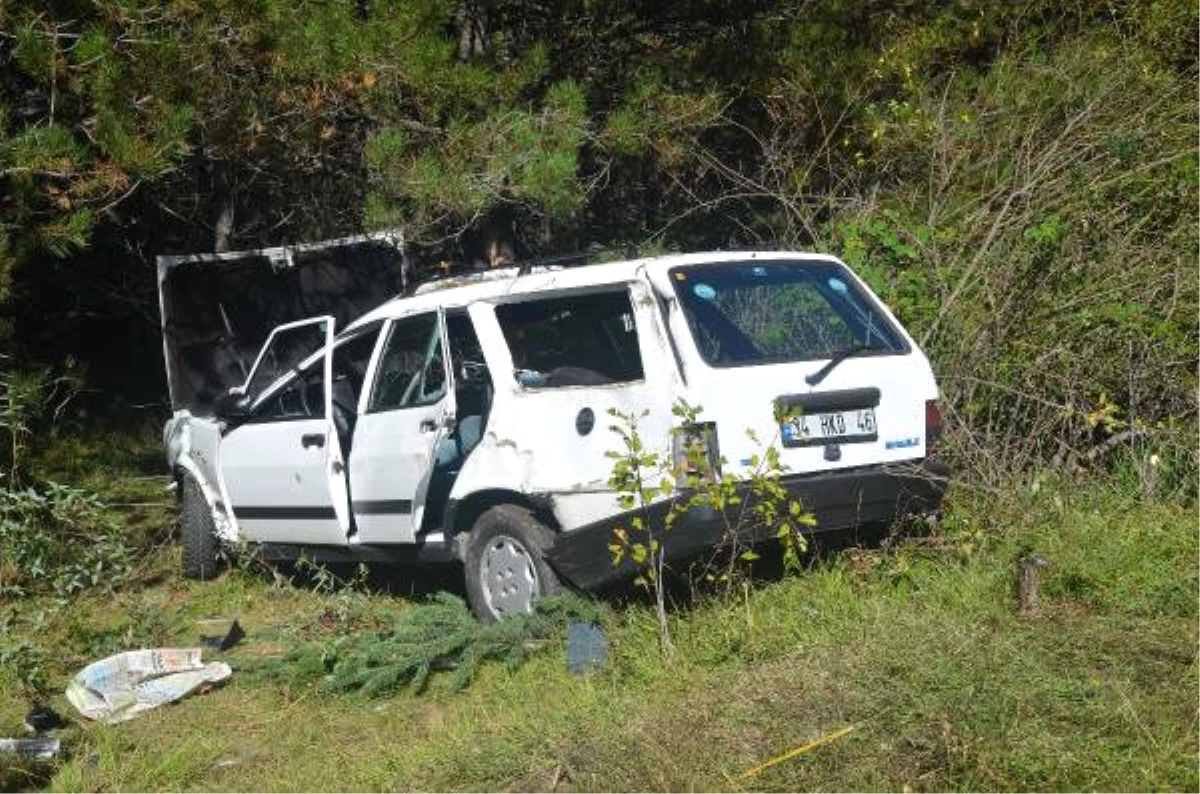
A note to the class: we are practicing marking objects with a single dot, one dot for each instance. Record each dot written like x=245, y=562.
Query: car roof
x=461, y=291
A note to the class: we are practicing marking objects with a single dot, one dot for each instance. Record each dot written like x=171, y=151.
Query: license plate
x=835, y=427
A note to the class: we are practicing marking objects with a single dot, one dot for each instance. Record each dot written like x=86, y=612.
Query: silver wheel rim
x=508, y=577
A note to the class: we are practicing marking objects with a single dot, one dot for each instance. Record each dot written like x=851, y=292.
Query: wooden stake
x=804, y=748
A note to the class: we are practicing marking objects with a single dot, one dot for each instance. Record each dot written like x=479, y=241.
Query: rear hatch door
x=798, y=352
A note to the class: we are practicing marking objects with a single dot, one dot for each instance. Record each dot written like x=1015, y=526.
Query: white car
x=469, y=420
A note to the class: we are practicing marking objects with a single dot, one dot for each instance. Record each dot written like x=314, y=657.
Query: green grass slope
x=920, y=647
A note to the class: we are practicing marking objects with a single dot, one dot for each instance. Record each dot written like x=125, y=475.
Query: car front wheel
x=197, y=530
x=506, y=570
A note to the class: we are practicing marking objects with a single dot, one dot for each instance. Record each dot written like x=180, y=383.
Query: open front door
x=283, y=467
x=409, y=411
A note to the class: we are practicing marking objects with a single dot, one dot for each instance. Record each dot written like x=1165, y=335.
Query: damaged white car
x=468, y=420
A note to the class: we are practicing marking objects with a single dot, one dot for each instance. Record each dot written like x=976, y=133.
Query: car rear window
x=746, y=313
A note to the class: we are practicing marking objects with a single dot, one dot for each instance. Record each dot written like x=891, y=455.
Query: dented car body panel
x=405, y=426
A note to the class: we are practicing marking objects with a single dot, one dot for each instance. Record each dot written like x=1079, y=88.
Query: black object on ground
x=231, y=638
x=42, y=718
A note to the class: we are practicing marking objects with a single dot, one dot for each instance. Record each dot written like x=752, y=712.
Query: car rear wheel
x=506, y=570
x=198, y=532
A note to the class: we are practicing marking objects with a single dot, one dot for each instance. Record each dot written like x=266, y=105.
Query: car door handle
x=428, y=425
x=312, y=440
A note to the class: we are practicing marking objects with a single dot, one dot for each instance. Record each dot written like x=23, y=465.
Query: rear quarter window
x=575, y=340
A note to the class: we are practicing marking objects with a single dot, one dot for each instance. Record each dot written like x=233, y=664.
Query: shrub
x=641, y=475
x=1036, y=230
x=58, y=540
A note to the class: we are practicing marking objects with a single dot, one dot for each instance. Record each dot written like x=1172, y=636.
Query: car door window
x=412, y=371
x=287, y=347
x=302, y=398
x=350, y=359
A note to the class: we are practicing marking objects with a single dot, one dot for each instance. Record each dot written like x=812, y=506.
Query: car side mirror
x=232, y=405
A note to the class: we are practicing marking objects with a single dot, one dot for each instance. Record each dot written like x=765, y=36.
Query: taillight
x=933, y=424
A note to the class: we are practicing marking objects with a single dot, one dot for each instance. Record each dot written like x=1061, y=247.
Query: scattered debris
x=587, y=647
x=38, y=749
x=560, y=775
x=247, y=754
x=123, y=686
x=42, y=718
x=223, y=642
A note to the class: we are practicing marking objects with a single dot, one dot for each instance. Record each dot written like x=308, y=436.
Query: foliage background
x=1018, y=179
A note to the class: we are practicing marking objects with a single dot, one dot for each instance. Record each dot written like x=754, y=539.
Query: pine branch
x=439, y=636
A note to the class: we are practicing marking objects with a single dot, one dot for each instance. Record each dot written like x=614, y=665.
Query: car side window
x=577, y=340
x=350, y=360
x=412, y=370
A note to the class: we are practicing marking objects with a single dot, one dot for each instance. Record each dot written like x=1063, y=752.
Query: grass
x=919, y=646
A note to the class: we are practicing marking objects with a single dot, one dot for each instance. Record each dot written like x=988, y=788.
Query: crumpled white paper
x=123, y=686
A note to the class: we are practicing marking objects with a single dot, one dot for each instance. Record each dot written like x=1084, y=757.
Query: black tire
x=199, y=535
x=505, y=564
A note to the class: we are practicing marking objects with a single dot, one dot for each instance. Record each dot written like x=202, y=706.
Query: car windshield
x=746, y=313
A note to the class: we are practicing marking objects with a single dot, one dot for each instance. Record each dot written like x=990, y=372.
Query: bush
x=1035, y=228
x=59, y=541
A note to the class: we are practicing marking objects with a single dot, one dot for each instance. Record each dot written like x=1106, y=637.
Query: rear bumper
x=840, y=500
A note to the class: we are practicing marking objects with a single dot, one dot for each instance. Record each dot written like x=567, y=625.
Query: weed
x=26, y=663
x=27, y=396
x=693, y=477
x=59, y=540
x=350, y=598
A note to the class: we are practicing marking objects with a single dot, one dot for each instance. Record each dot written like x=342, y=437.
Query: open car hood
x=219, y=309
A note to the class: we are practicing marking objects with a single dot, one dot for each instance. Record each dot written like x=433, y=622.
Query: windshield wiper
x=812, y=379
